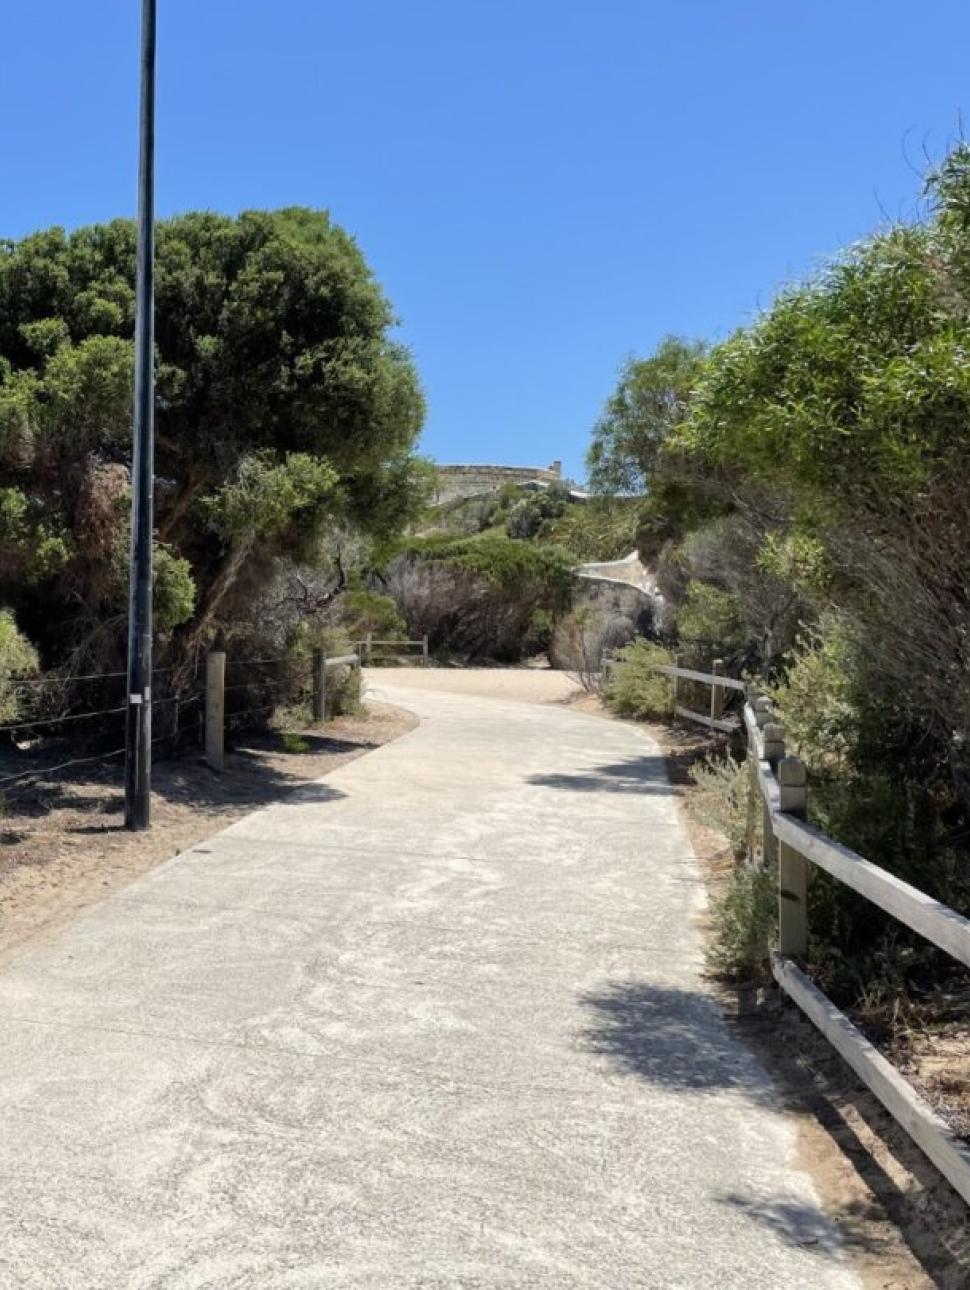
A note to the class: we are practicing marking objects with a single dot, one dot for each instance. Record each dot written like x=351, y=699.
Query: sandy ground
x=519, y=684
x=66, y=846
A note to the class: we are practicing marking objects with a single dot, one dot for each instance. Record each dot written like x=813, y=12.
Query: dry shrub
x=582, y=639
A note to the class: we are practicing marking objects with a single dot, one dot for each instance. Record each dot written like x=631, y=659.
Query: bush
x=581, y=639
x=635, y=688
x=718, y=798
x=745, y=920
x=17, y=658
x=343, y=688
x=710, y=614
x=367, y=613
x=603, y=528
x=478, y=597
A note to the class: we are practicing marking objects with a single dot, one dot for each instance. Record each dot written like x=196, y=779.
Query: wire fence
x=61, y=723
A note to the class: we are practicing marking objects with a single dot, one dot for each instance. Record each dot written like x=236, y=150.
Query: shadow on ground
x=670, y=1037
x=259, y=770
x=633, y=775
x=804, y=1225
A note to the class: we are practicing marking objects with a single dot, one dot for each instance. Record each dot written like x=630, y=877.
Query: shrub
x=816, y=701
x=745, y=919
x=17, y=658
x=718, y=798
x=581, y=639
x=635, y=688
x=477, y=597
x=710, y=614
x=366, y=613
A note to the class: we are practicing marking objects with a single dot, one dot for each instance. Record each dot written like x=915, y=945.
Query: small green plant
x=745, y=919
x=17, y=658
x=291, y=742
x=635, y=688
x=718, y=798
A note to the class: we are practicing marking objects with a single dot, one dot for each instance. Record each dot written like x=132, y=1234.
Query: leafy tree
x=284, y=409
x=649, y=403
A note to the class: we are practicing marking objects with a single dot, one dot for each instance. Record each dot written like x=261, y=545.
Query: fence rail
x=365, y=649
x=780, y=782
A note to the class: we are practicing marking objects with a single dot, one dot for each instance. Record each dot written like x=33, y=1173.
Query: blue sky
x=542, y=186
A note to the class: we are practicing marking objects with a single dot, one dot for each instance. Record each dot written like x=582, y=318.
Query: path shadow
x=804, y=1225
x=671, y=1037
x=633, y=775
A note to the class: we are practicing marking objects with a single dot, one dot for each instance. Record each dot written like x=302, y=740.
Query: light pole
x=138, y=729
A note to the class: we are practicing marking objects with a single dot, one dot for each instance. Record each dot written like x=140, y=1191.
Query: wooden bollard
x=215, y=709
x=319, y=706
x=792, y=866
x=717, y=691
x=774, y=750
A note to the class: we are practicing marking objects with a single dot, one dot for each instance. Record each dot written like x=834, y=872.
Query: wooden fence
x=368, y=657
x=215, y=697
x=779, y=783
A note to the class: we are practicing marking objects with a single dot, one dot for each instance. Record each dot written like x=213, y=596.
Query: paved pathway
x=434, y=1022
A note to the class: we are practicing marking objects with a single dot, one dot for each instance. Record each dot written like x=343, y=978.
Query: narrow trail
x=437, y=1020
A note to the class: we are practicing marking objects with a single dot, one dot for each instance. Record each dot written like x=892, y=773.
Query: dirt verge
x=66, y=846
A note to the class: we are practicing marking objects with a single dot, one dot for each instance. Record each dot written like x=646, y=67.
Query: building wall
x=468, y=481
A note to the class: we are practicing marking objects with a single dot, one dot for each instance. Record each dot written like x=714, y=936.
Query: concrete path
x=436, y=1021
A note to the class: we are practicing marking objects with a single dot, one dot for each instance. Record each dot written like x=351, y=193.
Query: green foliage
x=17, y=658
x=710, y=614
x=649, y=403
x=173, y=590
x=529, y=516
x=517, y=567
x=817, y=701
x=635, y=687
x=604, y=528
x=744, y=918
x=285, y=410
x=477, y=597
x=718, y=797
x=264, y=497
x=366, y=613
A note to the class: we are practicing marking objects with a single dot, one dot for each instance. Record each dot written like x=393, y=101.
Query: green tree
x=285, y=408
x=649, y=403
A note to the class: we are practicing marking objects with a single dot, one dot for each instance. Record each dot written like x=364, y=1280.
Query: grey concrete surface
x=436, y=1021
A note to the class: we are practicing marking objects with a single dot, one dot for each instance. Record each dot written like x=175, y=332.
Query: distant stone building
x=470, y=481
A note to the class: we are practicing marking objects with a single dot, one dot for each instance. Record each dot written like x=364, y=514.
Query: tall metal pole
x=138, y=733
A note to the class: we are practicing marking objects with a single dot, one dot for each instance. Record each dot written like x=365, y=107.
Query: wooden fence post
x=774, y=749
x=717, y=691
x=369, y=649
x=676, y=697
x=752, y=697
x=215, y=709
x=319, y=685
x=424, y=649
x=792, y=867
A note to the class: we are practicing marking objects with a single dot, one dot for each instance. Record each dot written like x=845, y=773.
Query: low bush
x=744, y=916
x=635, y=688
x=718, y=798
x=17, y=658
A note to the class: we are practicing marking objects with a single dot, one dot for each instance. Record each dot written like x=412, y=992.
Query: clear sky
x=542, y=186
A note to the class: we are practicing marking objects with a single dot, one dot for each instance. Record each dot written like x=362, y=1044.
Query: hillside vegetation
x=808, y=514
